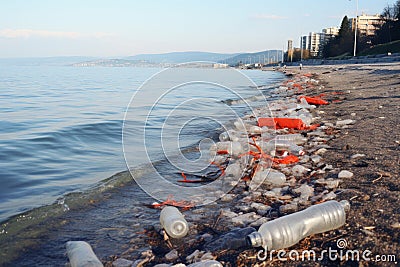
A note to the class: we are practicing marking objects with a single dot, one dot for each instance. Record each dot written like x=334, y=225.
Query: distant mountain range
x=166, y=59
x=263, y=57
x=181, y=57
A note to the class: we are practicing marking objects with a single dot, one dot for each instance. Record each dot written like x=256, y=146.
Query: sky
x=100, y=28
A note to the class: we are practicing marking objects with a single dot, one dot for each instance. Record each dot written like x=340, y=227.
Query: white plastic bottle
x=173, y=222
x=289, y=230
x=81, y=254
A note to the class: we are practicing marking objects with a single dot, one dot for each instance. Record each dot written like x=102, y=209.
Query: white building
x=220, y=66
x=330, y=32
x=315, y=43
x=367, y=24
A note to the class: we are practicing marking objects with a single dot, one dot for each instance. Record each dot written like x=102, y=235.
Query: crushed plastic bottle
x=173, y=222
x=289, y=230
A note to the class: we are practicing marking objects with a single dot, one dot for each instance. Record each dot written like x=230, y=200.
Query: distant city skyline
x=40, y=28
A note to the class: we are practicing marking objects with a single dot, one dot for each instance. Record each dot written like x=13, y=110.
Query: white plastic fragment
x=357, y=156
x=345, y=174
x=345, y=122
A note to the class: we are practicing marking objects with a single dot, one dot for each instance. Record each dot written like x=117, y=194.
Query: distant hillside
x=264, y=57
x=181, y=57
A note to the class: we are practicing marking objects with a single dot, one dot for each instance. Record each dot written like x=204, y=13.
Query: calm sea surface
x=61, y=126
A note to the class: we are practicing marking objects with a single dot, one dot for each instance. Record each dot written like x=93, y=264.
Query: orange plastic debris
x=287, y=160
x=281, y=123
x=185, y=180
x=268, y=122
x=297, y=85
x=314, y=100
x=222, y=152
x=170, y=202
x=220, y=167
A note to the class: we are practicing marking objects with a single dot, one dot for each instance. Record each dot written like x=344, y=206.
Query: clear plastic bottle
x=233, y=148
x=173, y=222
x=207, y=263
x=294, y=138
x=289, y=230
x=290, y=146
x=81, y=254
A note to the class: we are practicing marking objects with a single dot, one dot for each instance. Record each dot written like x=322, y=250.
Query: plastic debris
x=344, y=122
x=173, y=222
x=289, y=230
x=345, y=174
x=207, y=263
x=314, y=100
x=81, y=254
x=281, y=123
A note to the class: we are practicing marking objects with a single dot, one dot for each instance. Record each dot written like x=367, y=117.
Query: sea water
x=63, y=168
x=61, y=126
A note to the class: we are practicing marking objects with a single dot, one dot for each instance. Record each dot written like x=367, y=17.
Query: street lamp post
x=301, y=49
x=355, y=30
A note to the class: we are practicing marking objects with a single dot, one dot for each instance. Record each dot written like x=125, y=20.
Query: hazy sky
x=33, y=28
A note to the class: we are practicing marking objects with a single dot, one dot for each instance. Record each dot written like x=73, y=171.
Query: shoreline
x=381, y=239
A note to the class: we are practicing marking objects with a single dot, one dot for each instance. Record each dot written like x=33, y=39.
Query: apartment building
x=367, y=24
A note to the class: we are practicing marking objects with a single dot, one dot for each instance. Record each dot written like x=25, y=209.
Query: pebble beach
x=352, y=155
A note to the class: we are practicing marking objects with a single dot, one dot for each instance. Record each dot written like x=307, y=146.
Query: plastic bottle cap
x=179, y=228
x=254, y=239
x=345, y=204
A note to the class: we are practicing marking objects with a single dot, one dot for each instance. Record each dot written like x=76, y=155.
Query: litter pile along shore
x=274, y=159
